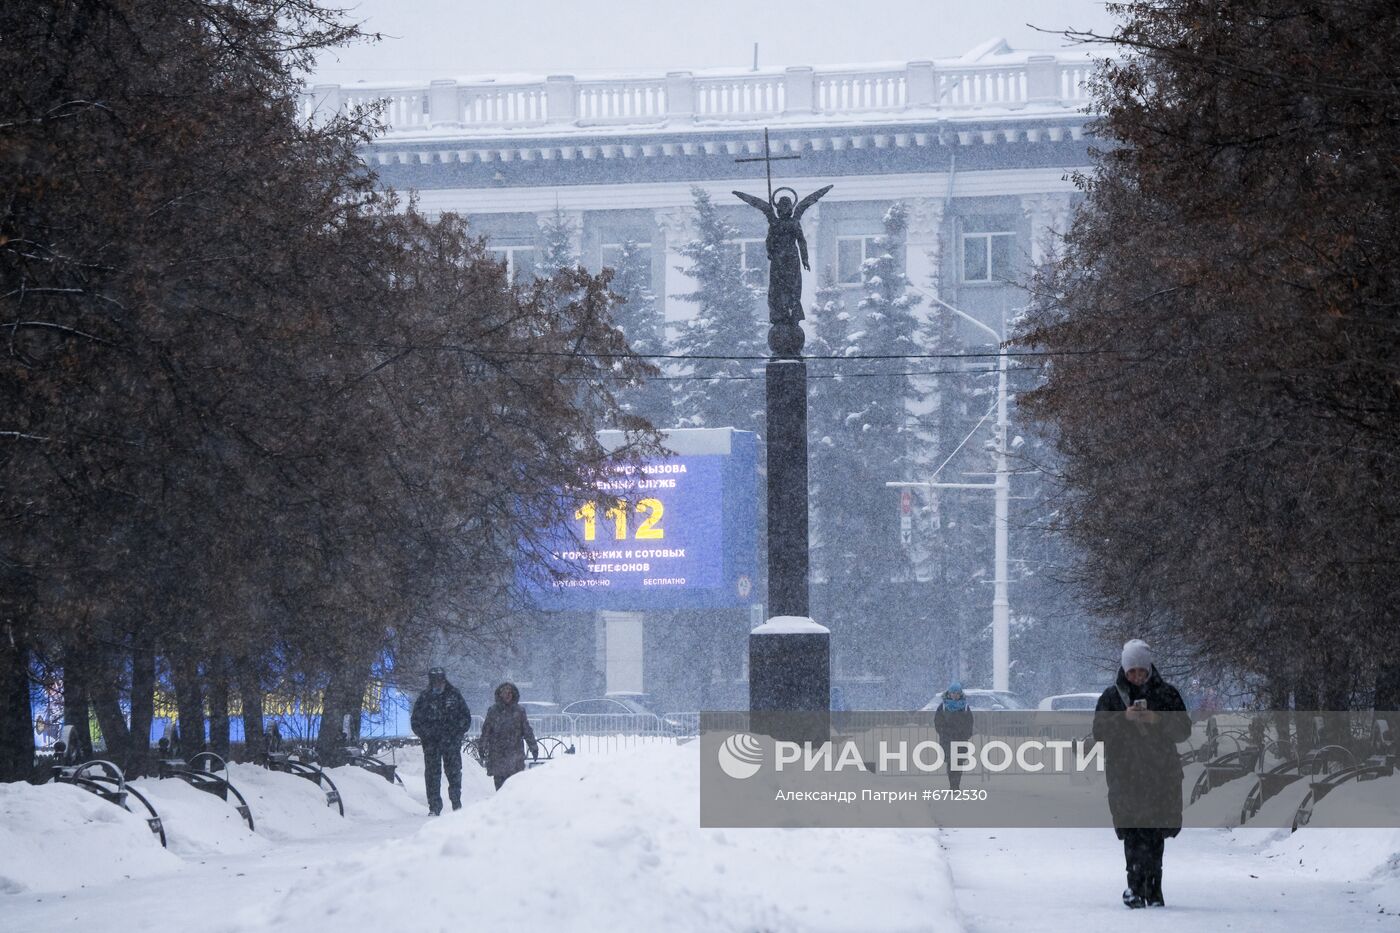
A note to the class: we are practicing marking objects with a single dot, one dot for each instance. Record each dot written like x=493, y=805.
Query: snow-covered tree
x=863, y=439
x=640, y=319
x=557, y=234
x=828, y=402
x=726, y=334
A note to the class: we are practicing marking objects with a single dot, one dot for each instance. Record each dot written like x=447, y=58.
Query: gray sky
x=442, y=38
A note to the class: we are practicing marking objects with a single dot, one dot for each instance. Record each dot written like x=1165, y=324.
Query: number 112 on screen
x=649, y=530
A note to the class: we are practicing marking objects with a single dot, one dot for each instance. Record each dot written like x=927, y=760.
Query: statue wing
x=809, y=200
x=758, y=203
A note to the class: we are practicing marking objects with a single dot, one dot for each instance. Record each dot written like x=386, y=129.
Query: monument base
x=790, y=680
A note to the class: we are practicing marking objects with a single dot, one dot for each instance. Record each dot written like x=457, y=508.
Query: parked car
x=619, y=705
x=984, y=700
x=599, y=706
x=1072, y=701
x=537, y=708
x=646, y=701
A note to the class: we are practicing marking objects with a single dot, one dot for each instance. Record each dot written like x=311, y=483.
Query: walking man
x=441, y=718
x=1140, y=720
x=504, y=734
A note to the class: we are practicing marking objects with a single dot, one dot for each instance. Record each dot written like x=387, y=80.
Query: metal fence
x=595, y=733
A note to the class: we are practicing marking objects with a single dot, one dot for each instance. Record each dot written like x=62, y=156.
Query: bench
x=360, y=759
x=288, y=764
x=1225, y=768
x=106, y=780
x=201, y=772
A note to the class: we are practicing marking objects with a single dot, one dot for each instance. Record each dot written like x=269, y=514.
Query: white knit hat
x=1137, y=653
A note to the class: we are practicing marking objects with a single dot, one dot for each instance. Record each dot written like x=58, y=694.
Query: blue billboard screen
x=678, y=532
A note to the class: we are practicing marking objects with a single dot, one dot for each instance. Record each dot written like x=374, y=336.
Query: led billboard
x=678, y=532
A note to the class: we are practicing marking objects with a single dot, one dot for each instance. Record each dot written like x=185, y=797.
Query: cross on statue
x=768, y=159
x=787, y=253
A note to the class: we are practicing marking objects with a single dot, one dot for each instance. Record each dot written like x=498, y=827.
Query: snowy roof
x=682, y=441
x=990, y=82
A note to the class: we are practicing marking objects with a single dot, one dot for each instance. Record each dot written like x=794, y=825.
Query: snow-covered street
x=612, y=843
x=1213, y=880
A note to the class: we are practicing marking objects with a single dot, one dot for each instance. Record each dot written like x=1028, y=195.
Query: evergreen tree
x=641, y=322
x=953, y=528
x=889, y=327
x=829, y=392
x=558, y=253
x=722, y=390
x=866, y=415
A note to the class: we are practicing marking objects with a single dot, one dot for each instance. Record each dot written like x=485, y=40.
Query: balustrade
x=956, y=87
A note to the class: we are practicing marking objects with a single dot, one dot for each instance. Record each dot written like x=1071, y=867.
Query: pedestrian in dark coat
x=504, y=734
x=1140, y=720
x=440, y=719
x=953, y=722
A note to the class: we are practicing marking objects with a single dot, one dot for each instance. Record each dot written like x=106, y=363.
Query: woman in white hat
x=1140, y=720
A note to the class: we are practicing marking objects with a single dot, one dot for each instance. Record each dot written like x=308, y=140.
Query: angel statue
x=787, y=247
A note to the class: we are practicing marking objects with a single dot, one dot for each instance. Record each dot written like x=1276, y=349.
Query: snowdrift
x=198, y=824
x=613, y=843
x=57, y=837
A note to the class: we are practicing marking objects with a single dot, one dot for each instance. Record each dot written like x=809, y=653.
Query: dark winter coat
x=1141, y=762
x=505, y=733
x=952, y=725
x=440, y=718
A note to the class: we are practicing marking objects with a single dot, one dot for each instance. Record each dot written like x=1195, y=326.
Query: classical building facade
x=980, y=149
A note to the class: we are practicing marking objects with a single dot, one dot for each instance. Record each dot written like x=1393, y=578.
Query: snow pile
x=1221, y=805
x=58, y=837
x=1375, y=802
x=197, y=823
x=614, y=843
x=1278, y=810
x=1345, y=854
x=76, y=838
x=285, y=806
x=1325, y=847
x=368, y=796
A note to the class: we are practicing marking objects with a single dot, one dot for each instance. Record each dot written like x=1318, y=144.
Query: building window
x=519, y=260
x=988, y=250
x=611, y=255
x=851, y=254
x=753, y=262
x=751, y=256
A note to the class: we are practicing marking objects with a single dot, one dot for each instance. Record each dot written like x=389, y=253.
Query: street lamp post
x=1001, y=489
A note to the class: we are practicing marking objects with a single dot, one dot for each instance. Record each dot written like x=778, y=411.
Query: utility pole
x=1000, y=487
